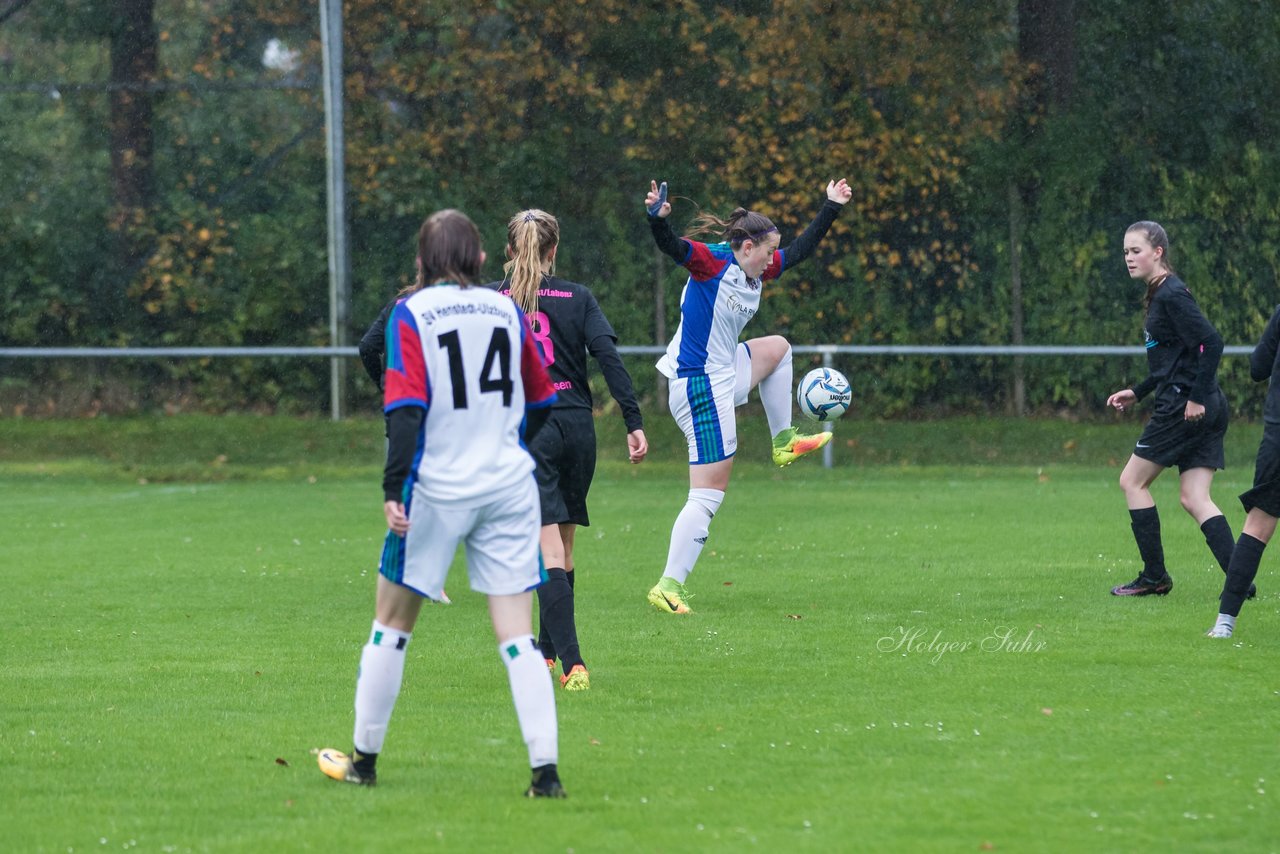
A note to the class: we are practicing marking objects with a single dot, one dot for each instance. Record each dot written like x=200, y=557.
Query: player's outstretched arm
x=839, y=191
x=655, y=201
x=658, y=209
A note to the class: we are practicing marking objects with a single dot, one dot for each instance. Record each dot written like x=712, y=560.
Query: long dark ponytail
x=741, y=226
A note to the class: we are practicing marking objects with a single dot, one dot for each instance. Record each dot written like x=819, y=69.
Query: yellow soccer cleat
x=337, y=765
x=789, y=446
x=577, y=679
x=669, y=596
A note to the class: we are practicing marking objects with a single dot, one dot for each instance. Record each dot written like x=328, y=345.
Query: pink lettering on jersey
x=542, y=334
x=537, y=385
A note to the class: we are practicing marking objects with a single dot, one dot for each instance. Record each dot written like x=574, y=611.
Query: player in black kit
x=1262, y=503
x=1189, y=421
x=568, y=324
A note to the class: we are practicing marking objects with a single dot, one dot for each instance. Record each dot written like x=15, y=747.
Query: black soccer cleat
x=545, y=784
x=1143, y=586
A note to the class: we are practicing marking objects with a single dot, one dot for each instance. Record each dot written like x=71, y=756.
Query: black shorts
x=1171, y=440
x=565, y=451
x=1265, y=494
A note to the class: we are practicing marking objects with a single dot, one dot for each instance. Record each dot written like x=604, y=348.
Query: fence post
x=336, y=175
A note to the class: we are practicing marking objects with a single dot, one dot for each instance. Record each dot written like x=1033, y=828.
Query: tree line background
x=162, y=185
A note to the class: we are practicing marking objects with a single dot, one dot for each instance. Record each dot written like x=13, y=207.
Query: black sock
x=571, y=575
x=544, y=775
x=1244, y=566
x=1146, y=530
x=1217, y=533
x=365, y=763
x=545, y=646
x=555, y=612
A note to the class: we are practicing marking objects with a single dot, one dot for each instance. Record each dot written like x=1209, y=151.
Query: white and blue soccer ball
x=823, y=394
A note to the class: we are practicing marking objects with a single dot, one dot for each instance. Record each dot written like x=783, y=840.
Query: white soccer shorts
x=501, y=540
x=703, y=408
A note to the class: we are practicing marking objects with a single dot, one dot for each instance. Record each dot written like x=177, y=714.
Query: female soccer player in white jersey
x=463, y=373
x=712, y=372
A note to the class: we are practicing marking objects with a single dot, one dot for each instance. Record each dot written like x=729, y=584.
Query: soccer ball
x=823, y=394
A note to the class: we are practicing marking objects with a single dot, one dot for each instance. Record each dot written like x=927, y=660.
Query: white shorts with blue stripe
x=501, y=538
x=703, y=407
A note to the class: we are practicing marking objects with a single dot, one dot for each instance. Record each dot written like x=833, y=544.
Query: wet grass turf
x=909, y=654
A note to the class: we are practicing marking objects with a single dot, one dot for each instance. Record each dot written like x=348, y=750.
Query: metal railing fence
x=827, y=351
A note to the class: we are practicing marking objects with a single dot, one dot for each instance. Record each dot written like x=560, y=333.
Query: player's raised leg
x=771, y=370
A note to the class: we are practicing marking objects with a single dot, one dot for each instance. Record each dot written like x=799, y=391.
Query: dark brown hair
x=1159, y=239
x=741, y=226
x=449, y=249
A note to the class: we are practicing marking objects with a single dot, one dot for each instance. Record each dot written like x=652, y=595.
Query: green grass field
x=912, y=651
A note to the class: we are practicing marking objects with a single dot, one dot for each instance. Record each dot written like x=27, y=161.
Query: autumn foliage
x=573, y=107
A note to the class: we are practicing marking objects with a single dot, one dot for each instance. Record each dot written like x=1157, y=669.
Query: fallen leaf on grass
x=282, y=761
x=794, y=617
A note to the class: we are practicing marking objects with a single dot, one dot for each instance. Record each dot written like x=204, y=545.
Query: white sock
x=689, y=533
x=534, y=697
x=775, y=395
x=1224, y=627
x=378, y=685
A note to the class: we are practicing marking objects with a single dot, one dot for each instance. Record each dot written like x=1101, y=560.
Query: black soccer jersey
x=1262, y=366
x=1183, y=348
x=373, y=345
x=567, y=326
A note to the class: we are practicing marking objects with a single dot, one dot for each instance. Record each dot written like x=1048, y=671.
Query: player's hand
x=655, y=202
x=839, y=191
x=397, y=521
x=637, y=446
x=1122, y=399
x=1194, y=412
